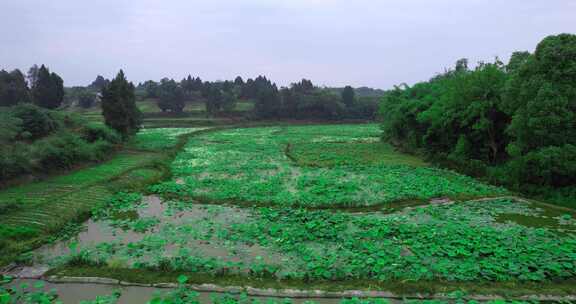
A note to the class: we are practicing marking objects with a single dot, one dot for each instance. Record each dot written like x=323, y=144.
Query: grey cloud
x=333, y=42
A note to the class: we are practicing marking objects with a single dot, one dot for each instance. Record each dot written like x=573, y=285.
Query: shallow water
x=72, y=293
x=181, y=226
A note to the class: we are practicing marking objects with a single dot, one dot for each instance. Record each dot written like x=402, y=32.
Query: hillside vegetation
x=514, y=124
x=39, y=141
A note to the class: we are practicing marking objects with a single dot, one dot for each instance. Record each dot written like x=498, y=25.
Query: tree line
x=40, y=87
x=301, y=100
x=513, y=123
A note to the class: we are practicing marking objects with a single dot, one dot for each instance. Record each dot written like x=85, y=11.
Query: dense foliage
x=441, y=244
x=464, y=242
x=83, y=97
x=99, y=83
x=301, y=100
x=267, y=166
x=170, y=96
x=44, y=88
x=35, y=140
x=13, y=88
x=119, y=106
x=47, y=88
x=515, y=123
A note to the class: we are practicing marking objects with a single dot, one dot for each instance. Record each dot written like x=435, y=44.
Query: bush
x=36, y=122
x=14, y=161
x=94, y=132
x=61, y=151
x=100, y=149
x=554, y=165
x=34, y=139
x=10, y=127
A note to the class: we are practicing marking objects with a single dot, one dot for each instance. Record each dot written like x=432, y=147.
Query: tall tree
x=151, y=88
x=48, y=90
x=99, y=83
x=86, y=98
x=238, y=81
x=119, y=106
x=214, y=98
x=171, y=96
x=187, y=85
x=348, y=96
x=267, y=101
x=305, y=86
x=13, y=88
x=32, y=75
x=58, y=88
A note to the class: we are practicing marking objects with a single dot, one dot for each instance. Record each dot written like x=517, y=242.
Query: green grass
x=160, y=138
x=32, y=212
x=349, y=154
x=150, y=105
x=280, y=166
x=274, y=236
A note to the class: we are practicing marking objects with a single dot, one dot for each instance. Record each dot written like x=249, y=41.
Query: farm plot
x=464, y=242
x=161, y=138
x=269, y=236
x=33, y=213
x=274, y=166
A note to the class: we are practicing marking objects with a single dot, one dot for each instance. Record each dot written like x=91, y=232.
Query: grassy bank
x=35, y=213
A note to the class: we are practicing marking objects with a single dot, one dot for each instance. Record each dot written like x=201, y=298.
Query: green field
x=32, y=213
x=322, y=206
x=194, y=115
x=310, y=166
x=325, y=207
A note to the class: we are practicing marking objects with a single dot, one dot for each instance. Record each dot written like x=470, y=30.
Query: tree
x=461, y=65
x=516, y=123
x=228, y=100
x=541, y=96
x=86, y=99
x=13, y=88
x=32, y=76
x=348, y=96
x=239, y=81
x=197, y=84
x=289, y=103
x=119, y=106
x=151, y=88
x=48, y=89
x=516, y=61
x=99, y=83
x=171, y=96
x=214, y=98
x=303, y=87
x=58, y=89
x=267, y=101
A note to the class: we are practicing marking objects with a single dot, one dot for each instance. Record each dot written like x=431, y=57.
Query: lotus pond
x=272, y=166
x=321, y=207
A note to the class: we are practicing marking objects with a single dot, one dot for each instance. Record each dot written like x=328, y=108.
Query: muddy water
x=73, y=293
x=181, y=227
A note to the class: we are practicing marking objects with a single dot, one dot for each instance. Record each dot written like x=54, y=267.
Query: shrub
x=95, y=132
x=14, y=161
x=61, y=151
x=554, y=165
x=100, y=149
x=36, y=122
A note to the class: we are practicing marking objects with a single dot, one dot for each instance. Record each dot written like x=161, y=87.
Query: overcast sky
x=375, y=43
